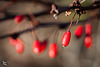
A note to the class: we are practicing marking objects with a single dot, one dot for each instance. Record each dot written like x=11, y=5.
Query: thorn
x=55, y=16
x=82, y=1
x=54, y=11
x=53, y=6
x=66, y=15
x=78, y=19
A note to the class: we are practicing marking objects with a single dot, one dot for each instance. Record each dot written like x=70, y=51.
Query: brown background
x=74, y=55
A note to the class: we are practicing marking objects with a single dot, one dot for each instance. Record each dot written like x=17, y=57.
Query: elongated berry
x=36, y=46
x=88, y=41
x=88, y=29
x=66, y=38
x=12, y=41
x=18, y=19
x=53, y=50
x=79, y=31
x=43, y=45
x=19, y=46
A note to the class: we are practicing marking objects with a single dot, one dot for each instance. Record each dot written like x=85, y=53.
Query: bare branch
x=45, y=24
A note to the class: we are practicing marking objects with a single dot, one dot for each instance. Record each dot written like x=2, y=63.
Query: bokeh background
x=74, y=55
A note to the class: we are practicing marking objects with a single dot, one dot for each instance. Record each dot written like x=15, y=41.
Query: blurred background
x=74, y=55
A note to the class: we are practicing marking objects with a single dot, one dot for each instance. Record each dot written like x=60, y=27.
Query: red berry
x=66, y=38
x=53, y=50
x=12, y=41
x=88, y=41
x=79, y=31
x=19, y=46
x=88, y=29
x=18, y=19
x=36, y=46
x=43, y=46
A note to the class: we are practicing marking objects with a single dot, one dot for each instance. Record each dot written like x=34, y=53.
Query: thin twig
x=71, y=21
x=33, y=23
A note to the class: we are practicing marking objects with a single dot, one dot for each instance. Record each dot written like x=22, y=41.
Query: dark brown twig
x=45, y=24
x=95, y=5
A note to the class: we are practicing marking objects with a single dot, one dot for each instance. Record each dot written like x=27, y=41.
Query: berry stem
x=33, y=23
x=71, y=21
x=55, y=35
x=49, y=34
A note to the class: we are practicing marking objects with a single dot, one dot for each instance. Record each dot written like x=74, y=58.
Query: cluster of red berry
x=78, y=33
x=38, y=47
x=88, y=31
x=88, y=38
x=18, y=44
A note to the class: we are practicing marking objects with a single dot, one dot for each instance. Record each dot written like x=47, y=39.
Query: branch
x=45, y=24
x=63, y=9
x=56, y=10
x=10, y=16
